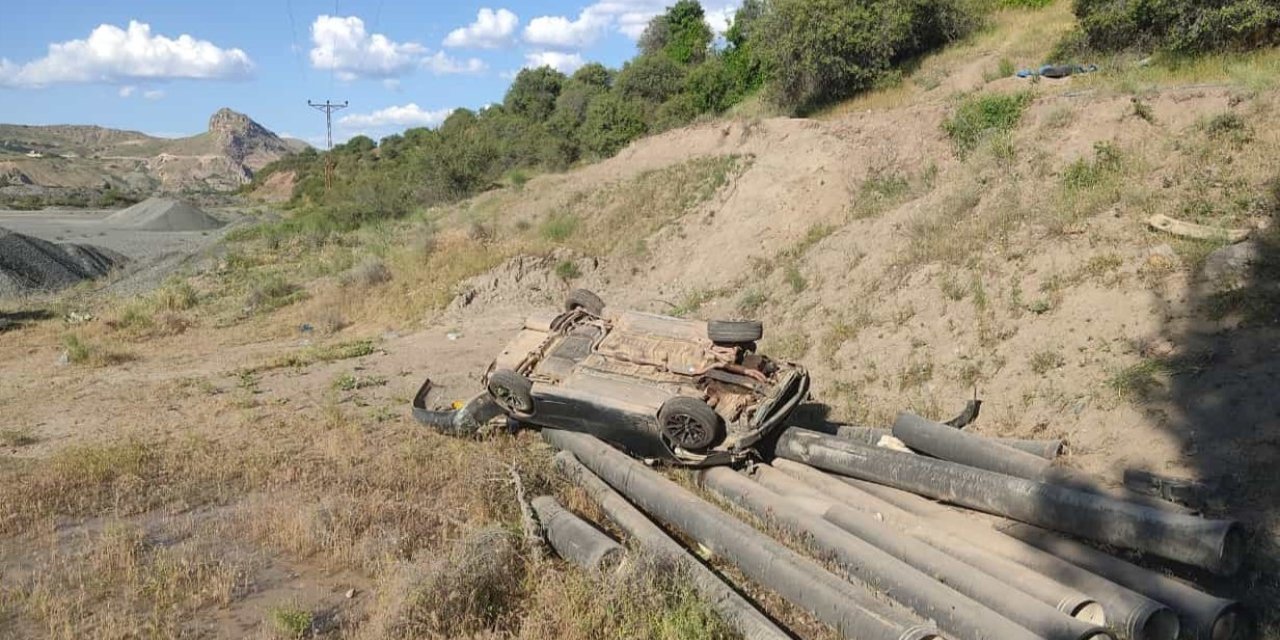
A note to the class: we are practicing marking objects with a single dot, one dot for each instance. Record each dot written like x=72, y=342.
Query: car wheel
x=689, y=422
x=585, y=300
x=734, y=331
x=512, y=391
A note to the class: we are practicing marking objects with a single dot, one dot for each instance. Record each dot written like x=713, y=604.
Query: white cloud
x=562, y=33
x=153, y=94
x=628, y=17
x=342, y=45
x=562, y=62
x=491, y=30
x=126, y=90
x=441, y=64
x=114, y=55
x=409, y=115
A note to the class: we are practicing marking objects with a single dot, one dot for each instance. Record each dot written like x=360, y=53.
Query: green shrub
x=653, y=78
x=611, y=123
x=558, y=227
x=978, y=117
x=816, y=51
x=1180, y=26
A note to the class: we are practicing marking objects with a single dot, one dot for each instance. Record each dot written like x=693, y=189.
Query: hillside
x=233, y=451
x=35, y=158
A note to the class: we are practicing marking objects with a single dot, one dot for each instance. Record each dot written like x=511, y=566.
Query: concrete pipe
x=575, y=539
x=1047, y=449
x=1204, y=617
x=1129, y=613
x=941, y=441
x=855, y=613
x=1216, y=545
x=962, y=601
x=734, y=609
x=796, y=479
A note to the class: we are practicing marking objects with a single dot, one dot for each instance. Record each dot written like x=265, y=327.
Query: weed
x=350, y=382
x=1059, y=117
x=917, y=371
x=17, y=437
x=1143, y=110
x=370, y=273
x=1045, y=361
x=291, y=621
x=789, y=346
x=978, y=117
x=319, y=353
x=1040, y=306
x=1084, y=174
x=1139, y=381
x=558, y=227
x=794, y=278
x=79, y=351
x=1229, y=127
x=517, y=178
x=693, y=301
x=751, y=302
x=272, y=292
x=951, y=288
x=568, y=270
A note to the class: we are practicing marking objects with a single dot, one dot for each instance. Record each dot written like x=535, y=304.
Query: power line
x=328, y=108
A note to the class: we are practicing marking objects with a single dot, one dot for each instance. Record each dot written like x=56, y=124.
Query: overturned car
x=687, y=391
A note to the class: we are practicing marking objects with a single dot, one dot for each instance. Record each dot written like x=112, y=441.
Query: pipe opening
x=1161, y=625
x=927, y=632
x=1091, y=612
x=1231, y=624
x=1233, y=544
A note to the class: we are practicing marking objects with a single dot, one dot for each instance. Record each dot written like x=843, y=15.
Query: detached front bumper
x=459, y=419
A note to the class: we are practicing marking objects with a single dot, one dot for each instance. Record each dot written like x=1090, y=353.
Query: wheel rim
x=510, y=399
x=686, y=430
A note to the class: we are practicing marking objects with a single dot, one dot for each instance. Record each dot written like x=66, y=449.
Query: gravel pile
x=163, y=214
x=29, y=265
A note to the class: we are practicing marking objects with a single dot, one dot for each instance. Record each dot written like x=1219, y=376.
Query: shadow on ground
x=1222, y=401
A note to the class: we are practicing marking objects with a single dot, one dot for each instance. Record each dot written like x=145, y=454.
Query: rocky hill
x=49, y=163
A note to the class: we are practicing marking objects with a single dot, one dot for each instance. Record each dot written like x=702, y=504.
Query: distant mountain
x=37, y=160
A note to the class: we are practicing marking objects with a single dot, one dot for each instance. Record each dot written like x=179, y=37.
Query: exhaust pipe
x=1047, y=449
x=924, y=579
x=1216, y=545
x=1203, y=616
x=744, y=617
x=574, y=539
x=941, y=441
x=1131, y=614
x=797, y=479
x=854, y=612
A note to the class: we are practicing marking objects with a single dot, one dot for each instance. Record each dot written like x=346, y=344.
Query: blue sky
x=163, y=66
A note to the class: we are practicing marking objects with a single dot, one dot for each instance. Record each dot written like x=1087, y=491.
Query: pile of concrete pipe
x=922, y=531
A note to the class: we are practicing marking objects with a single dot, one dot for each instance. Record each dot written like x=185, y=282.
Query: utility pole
x=328, y=108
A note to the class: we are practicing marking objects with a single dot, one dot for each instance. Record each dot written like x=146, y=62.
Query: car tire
x=690, y=423
x=734, y=331
x=585, y=300
x=511, y=391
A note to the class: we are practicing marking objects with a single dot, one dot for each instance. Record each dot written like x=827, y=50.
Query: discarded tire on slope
x=856, y=614
x=732, y=607
x=574, y=539
x=958, y=598
x=1215, y=545
x=833, y=496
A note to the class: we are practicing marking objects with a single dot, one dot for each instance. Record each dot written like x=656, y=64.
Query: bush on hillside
x=1179, y=26
x=652, y=78
x=611, y=123
x=817, y=51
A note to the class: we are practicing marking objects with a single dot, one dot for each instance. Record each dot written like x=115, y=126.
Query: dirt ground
x=234, y=463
